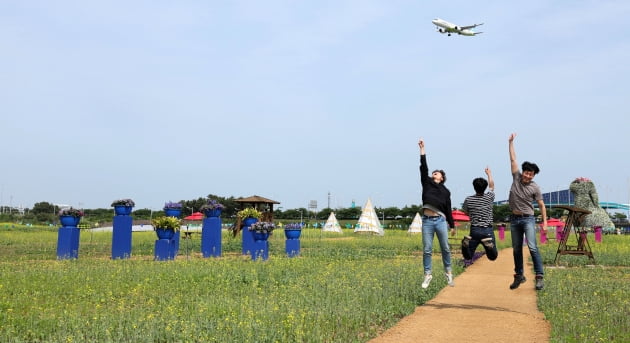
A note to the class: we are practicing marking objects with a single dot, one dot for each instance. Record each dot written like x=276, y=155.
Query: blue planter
x=213, y=213
x=69, y=221
x=68, y=243
x=121, y=237
x=249, y=221
x=165, y=233
x=173, y=212
x=260, y=236
x=211, y=237
x=248, y=236
x=292, y=233
x=121, y=210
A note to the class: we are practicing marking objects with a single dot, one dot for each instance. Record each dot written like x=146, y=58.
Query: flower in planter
x=263, y=227
x=72, y=212
x=249, y=212
x=293, y=226
x=123, y=202
x=172, y=205
x=212, y=205
x=166, y=223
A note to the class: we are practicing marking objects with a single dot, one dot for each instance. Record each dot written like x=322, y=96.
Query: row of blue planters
x=169, y=212
x=167, y=245
x=67, y=247
x=256, y=244
x=288, y=234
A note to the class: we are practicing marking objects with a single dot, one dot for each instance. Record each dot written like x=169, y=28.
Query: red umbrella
x=554, y=222
x=195, y=216
x=460, y=216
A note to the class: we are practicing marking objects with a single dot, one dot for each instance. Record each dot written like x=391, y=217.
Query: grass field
x=343, y=288
x=586, y=302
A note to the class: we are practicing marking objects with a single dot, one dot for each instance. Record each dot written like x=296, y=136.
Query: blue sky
x=160, y=100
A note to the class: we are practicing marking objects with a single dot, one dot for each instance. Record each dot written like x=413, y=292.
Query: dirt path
x=480, y=308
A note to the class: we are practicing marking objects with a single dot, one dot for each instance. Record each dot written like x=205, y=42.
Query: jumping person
x=436, y=218
x=479, y=209
x=523, y=193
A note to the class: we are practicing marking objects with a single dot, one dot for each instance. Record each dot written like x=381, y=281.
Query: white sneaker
x=427, y=280
x=449, y=279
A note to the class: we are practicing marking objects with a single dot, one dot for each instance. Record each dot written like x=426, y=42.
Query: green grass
x=586, y=302
x=344, y=288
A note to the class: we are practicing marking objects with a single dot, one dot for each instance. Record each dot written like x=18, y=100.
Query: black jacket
x=435, y=194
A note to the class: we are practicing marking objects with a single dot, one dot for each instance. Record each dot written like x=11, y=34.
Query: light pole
x=192, y=210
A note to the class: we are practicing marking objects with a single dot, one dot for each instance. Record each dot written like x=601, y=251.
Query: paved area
x=480, y=308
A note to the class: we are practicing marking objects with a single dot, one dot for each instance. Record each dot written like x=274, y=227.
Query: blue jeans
x=438, y=226
x=477, y=234
x=520, y=226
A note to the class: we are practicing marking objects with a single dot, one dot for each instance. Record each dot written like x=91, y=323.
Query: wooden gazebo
x=262, y=204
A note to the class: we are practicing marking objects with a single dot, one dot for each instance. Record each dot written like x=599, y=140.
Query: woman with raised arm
x=437, y=217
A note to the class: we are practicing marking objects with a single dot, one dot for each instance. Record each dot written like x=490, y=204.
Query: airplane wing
x=469, y=27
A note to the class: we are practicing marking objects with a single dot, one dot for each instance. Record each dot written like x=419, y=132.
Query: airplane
x=444, y=26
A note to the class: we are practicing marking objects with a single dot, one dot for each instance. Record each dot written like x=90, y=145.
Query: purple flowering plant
x=262, y=227
x=172, y=205
x=70, y=211
x=212, y=205
x=123, y=202
x=293, y=226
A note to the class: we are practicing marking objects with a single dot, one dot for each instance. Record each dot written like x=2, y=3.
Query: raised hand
x=512, y=136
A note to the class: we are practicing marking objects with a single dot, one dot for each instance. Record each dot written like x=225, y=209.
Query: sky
x=301, y=101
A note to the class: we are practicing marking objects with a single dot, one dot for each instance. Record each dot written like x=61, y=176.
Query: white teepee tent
x=368, y=221
x=332, y=225
x=416, y=224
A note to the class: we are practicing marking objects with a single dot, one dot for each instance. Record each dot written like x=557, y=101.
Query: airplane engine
x=457, y=28
x=440, y=30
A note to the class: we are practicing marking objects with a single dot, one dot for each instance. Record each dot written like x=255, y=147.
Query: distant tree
x=390, y=212
x=294, y=213
x=231, y=206
x=44, y=207
x=348, y=213
x=410, y=211
x=44, y=212
x=554, y=212
x=325, y=213
x=501, y=212
x=142, y=214
x=278, y=213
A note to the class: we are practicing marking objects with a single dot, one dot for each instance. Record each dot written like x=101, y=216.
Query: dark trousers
x=477, y=234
